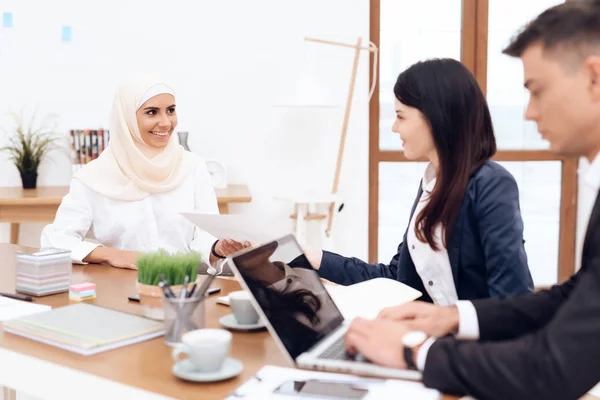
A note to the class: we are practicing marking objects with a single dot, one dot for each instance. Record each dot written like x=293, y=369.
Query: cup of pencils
x=184, y=310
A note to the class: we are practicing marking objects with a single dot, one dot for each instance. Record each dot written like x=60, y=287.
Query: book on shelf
x=87, y=145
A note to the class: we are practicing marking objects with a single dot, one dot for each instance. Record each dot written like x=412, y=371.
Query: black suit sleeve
x=519, y=315
x=347, y=271
x=559, y=361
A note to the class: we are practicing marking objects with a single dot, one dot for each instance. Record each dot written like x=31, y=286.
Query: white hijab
x=129, y=169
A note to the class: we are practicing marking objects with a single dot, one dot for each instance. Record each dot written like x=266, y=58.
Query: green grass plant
x=173, y=266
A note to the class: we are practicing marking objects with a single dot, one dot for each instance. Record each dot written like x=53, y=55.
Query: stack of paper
x=43, y=272
x=85, y=329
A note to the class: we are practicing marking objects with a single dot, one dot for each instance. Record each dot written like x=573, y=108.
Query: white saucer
x=230, y=322
x=185, y=370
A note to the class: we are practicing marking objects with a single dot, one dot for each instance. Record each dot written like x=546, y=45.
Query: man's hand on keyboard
x=380, y=341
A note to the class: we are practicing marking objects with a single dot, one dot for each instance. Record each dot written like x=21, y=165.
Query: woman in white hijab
x=129, y=199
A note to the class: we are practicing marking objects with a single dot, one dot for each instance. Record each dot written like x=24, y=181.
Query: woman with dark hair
x=465, y=235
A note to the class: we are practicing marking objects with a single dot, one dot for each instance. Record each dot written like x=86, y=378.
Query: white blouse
x=433, y=267
x=146, y=225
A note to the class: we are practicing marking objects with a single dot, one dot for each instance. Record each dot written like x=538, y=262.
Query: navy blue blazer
x=486, y=246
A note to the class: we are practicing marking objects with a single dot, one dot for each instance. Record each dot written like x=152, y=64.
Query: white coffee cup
x=207, y=349
x=242, y=308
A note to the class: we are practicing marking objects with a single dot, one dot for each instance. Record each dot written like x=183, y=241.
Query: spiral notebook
x=85, y=329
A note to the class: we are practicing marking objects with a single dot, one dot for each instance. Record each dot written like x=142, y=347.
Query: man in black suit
x=544, y=345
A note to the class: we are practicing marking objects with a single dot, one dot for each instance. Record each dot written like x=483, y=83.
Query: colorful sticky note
x=66, y=33
x=7, y=20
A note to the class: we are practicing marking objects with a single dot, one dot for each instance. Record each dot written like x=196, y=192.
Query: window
x=474, y=31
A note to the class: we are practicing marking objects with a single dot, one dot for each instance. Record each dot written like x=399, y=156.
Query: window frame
x=474, y=46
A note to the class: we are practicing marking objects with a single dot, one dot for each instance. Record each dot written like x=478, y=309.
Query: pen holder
x=182, y=316
x=152, y=300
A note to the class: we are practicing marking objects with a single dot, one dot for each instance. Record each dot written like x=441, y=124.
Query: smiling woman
x=129, y=200
x=157, y=119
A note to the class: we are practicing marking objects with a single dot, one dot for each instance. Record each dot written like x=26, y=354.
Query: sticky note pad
x=81, y=287
x=66, y=33
x=7, y=20
x=78, y=298
x=87, y=293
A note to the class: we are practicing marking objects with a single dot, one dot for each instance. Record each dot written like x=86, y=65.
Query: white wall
x=228, y=60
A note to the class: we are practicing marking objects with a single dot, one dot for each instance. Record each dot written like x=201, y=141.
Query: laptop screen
x=290, y=293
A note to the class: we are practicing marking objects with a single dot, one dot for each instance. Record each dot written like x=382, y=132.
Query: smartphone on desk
x=322, y=388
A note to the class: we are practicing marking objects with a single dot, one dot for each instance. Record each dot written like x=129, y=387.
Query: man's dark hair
x=573, y=26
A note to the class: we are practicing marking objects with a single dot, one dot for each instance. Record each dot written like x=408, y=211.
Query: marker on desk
x=16, y=296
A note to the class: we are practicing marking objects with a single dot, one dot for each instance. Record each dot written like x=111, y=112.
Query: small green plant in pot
x=28, y=146
x=174, y=267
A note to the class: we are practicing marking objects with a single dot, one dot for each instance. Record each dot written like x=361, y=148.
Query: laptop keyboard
x=337, y=351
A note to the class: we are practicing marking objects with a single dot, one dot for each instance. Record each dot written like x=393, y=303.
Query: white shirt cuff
x=468, y=324
x=81, y=251
x=422, y=354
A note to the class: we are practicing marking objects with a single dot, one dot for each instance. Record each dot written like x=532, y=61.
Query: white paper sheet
x=240, y=227
x=271, y=377
x=10, y=308
x=595, y=390
x=366, y=299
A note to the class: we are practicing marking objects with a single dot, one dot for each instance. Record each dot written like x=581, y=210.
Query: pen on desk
x=17, y=296
x=191, y=292
x=212, y=290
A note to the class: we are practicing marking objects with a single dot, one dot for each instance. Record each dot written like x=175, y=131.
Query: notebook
x=85, y=329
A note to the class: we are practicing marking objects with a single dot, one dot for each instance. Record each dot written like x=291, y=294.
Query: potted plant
x=28, y=146
x=153, y=266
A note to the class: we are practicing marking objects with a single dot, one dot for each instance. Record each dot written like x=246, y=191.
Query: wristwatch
x=410, y=341
x=213, y=252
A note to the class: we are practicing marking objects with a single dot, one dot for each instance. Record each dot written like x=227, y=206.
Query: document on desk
x=253, y=228
x=366, y=299
x=269, y=378
x=10, y=309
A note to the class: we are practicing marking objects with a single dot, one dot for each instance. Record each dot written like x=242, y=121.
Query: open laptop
x=298, y=311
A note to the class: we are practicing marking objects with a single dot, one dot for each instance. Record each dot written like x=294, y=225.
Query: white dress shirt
x=145, y=225
x=432, y=266
x=468, y=324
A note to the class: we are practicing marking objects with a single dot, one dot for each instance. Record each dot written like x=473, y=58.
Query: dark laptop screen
x=290, y=293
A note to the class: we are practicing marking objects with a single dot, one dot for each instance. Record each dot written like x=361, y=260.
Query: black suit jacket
x=543, y=345
x=486, y=247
